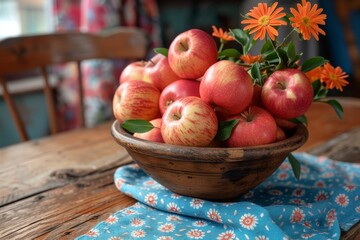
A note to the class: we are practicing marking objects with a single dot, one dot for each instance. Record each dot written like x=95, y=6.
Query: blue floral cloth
x=318, y=206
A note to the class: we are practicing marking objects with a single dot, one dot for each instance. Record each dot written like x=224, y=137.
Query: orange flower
x=307, y=19
x=263, y=19
x=333, y=77
x=250, y=59
x=314, y=74
x=221, y=34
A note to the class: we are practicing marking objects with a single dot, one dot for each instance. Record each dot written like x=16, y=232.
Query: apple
x=136, y=100
x=189, y=121
x=176, y=90
x=256, y=126
x=227, y=87
x=256, y=99
x=284, y=123
x=280, y=134
x=133, y=71
x=191, y=53
x=154, y=135
x=158, y=72
x=287, y=93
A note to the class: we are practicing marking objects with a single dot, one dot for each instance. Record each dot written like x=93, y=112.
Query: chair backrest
x=24, y=53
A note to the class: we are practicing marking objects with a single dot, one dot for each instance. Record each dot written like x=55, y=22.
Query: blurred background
x=162, y=20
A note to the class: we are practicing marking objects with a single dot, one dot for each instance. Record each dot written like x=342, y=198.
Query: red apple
x=287, y=93
x=154, y=135
x=256, y=126
x=133, y=71
x=256, y=99
x=284, y=123
x=136, y=100
x=189, y=121
x=280, y=134
x=191, y=53
x=227, y=87
x=158, y=72
x=176, y=90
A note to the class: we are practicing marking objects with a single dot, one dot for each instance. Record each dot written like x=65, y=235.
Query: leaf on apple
x=312, y=63
x=295, y=165
x=163, y=51
x=300, y=120
x=137, y=126
x=225, y=129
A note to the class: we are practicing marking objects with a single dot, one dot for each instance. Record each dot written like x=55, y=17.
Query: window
x=24, y=17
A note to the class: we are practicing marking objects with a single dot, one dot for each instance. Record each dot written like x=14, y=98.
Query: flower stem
x=285, y=39
x=221, y=46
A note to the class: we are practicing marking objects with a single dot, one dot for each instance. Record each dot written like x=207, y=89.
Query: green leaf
x=270, y=55
x=287, y=18
x=316, y=85
x=300, y=120
x=163, y=51
x=291, y=52
x=337, y=107
x=243, y=38
x=295, y=165
x=312, y=63
x=267, y=47
x=248, y=46
x=293, y=63
x=137, y=126
x=284, y=58
x=240, y=36
x=225, y=129
x=231, y=52
x=255, y=72
x=322, y=93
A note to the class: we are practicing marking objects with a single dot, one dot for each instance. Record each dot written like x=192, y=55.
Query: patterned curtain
x=100, y=77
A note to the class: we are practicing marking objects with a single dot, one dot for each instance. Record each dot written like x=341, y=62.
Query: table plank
x=66, y=212
x=37, y=166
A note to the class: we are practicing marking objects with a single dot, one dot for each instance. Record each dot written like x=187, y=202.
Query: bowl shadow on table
x=216, y=174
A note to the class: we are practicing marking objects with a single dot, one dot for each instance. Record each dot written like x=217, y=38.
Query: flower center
x=306, y=21
x=332, y=76
x=264, y=20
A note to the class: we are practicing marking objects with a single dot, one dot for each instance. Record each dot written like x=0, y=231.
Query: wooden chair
x=23, y=53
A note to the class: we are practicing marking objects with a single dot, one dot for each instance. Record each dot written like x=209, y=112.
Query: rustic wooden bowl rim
x=213, y=154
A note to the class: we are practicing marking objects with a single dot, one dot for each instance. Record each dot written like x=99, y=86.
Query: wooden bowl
x=220, y=174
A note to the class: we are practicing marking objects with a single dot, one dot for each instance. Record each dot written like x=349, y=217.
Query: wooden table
x=59, y=187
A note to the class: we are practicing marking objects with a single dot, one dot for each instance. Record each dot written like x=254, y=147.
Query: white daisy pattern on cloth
x=318, y=206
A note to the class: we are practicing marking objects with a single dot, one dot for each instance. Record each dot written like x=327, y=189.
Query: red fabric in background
x=100, y=77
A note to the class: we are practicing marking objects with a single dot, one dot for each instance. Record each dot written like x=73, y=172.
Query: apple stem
x=247, y=115
x=281, y=85
x=176, y=116
x=182, y=44
x=169, y=102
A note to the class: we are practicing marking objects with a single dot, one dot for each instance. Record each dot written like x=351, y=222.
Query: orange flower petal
x=262, y=20
x=307, y=18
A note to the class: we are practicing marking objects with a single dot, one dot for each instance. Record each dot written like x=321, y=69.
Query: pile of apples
x=190, y=95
